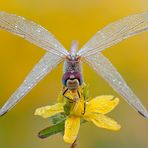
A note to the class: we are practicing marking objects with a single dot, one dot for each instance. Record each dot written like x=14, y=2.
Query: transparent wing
x=105, y=68
x=32, y=32
x=45, y=65
x=114, y=33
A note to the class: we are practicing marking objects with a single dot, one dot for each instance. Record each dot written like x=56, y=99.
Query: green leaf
x=58, y=118
x=54, y=129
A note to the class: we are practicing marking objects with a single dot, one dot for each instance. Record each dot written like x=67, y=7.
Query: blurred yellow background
x=69, y=20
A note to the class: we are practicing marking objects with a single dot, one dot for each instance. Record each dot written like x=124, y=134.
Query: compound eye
x=80, y=80
x=65, y=77
x=64, y=81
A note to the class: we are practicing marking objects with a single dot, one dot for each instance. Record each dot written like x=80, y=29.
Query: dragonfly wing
x=45, y=65
x=105, y=68
x=114, y=33
x=32, y=32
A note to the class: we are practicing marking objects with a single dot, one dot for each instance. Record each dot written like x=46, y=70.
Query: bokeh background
x=72, y=20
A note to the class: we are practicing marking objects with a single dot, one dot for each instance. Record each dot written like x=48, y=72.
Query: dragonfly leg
x=78, y=93
x=70, y=100
x=84, y=108
x=84, y=102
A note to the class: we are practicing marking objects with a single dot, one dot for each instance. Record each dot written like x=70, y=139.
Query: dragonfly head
x=72, y=80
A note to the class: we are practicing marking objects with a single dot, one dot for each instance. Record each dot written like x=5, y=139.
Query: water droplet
x=119, y=82
x=38, y=30
x=56, y=45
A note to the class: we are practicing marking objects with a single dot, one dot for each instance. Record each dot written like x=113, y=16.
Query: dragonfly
x=72, y=70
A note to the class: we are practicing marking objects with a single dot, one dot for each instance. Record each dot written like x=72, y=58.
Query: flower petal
x=49, y=111
x=103, y=121
x=102, y=104
x=78, y=108
x=72, y=125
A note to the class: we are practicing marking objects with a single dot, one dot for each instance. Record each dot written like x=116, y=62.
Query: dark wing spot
x=3, y=113
x=142, y=114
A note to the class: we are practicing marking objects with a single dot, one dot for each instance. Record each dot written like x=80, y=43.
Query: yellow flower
x=93, y=111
